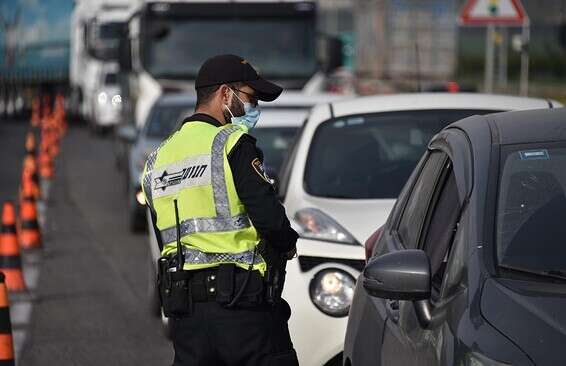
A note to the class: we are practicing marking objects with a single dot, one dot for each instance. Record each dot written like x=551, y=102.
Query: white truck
x=94, y=41
x=167, y=42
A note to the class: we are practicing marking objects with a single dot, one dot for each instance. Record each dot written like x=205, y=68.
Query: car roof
x=287, y=100
x=529, y=126
x=177, y=99
x=289, y=110
x=290, y=99
x=421, y=101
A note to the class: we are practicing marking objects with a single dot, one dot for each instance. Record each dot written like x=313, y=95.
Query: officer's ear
x=225, y=92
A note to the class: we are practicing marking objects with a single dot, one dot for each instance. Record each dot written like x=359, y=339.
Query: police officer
x=217, y=219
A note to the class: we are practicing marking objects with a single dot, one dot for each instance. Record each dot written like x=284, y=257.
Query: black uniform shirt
x=255, y=191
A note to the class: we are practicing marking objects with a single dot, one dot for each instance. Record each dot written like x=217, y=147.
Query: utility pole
x=526, y=35
x=489, y=58
x=502, y=57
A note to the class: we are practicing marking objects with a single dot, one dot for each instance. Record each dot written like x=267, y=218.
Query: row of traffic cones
x=24, y=232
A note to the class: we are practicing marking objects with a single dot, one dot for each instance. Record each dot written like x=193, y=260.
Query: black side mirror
x=333, y=51
x=127, y=133
x=124, y=53
x=160, y=31
x=401, y=275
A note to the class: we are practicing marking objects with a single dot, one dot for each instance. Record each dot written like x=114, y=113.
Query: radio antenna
x=180, y=255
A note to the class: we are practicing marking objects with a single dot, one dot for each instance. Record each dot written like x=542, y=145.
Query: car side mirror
x=334, y=54
x=124, y=54
x=400, y=275
x=127, y=133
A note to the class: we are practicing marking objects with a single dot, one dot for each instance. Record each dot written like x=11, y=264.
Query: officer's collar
x=202, y=117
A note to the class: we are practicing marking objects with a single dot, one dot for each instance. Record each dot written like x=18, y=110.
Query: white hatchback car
x=340, y=182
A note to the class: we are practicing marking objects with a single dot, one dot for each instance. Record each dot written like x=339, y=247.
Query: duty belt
x=203, y=284
x=194, y=256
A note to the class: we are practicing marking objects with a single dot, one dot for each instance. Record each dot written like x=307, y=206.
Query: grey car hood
x=531, y=314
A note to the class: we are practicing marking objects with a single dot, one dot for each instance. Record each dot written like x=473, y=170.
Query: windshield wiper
x=551, y=273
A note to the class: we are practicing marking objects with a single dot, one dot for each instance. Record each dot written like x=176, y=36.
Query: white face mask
x=250, y=117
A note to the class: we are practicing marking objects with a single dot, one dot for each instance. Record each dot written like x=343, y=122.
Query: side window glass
x=415, y=210
x=287, y=165
x=441, y=225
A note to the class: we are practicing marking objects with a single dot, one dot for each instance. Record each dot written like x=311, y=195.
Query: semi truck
x=166, y=42
x=96, y=28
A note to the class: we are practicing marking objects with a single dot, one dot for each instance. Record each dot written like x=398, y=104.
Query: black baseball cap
x=224, y=69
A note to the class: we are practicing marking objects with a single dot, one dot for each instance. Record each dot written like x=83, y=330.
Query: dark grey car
x=470, y=268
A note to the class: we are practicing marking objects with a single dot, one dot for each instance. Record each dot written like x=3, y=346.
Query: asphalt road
x=90, y=292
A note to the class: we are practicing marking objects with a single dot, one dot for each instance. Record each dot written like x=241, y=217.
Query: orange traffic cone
x=29, y=173
x=35, y=112
x=10, y=262
x=30, y=143
x=46, y=169
x=30, y=237
x=6, y=341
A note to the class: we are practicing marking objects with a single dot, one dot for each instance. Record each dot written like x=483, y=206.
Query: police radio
x=173, y=280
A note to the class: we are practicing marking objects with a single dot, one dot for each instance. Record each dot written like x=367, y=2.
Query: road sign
x=495, y=12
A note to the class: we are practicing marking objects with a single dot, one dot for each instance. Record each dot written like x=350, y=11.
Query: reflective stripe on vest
x=197, y=257
x=223, y=220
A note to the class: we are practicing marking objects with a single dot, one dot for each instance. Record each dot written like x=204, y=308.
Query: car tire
x=137, y=221
x=167, y=331
x=153, y=301
x=137, y=225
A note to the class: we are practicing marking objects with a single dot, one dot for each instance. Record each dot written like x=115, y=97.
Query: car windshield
x=110, y=79
x=286, y=50
x=531, y=209
x=371, y=156
x=164, y=119
x=110, y=31
x=275, y=143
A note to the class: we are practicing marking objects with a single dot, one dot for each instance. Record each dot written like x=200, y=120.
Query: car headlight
x=315, y=224
x=477, y=359
x=140, y=197
x=332, y=290
x=102, y=98
x=117, y=100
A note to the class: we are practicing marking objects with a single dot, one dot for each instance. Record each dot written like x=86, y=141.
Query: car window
x=288, y=163
x=441, y=224
x=275, y=143
x=531, y=207
x=110, y=79
x=164, y=120
x=414, y=212
x=371, y=156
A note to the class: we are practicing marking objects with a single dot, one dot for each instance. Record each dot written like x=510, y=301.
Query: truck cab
x=168, y=41
x=96, y=29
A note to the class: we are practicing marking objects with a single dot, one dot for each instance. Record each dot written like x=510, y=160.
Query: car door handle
x=392, y=307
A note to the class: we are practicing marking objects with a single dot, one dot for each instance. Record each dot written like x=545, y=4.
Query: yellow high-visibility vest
x=192, y=167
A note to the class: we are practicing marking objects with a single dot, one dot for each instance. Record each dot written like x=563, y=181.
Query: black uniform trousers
x=216, y=336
